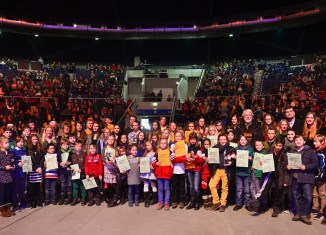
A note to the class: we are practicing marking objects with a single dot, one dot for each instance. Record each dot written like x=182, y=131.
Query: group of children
x=180, y=174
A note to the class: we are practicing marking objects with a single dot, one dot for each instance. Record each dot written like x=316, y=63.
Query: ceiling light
x=96, y=39
x=230, y=35
x=36, y=35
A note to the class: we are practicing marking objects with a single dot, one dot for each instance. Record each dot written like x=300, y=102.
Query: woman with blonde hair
x=310, y=128
x=282, y=127
x=47, y=138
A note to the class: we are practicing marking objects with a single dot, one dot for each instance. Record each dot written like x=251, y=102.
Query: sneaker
x=166, y=207
x=222, y=208
x=159, y=206
x=83, y=202
x=216, y=206
x=130, y=204
x=16, y=209
x=314, y=211
x=181, y=205
x=98, y=203
x=249, y=208
x=319, y=216
x=91, y=203
x=46, y=203
x=237, y=207
x=136, y=203
x=296, y=217
x=323, y=221
x=54, y=203
x=274, y=214
x=287, y=212
x=174, y=205
x=306, y=220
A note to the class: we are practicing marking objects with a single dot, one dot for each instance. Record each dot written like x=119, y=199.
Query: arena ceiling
x=168, y=19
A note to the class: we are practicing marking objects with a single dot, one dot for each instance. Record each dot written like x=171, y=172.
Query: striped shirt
x=35, y=177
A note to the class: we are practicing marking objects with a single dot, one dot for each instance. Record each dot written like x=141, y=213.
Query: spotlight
x=195, y=26
x=36, y=35
x=75, y=25
x=230, y=35
x=96, y=39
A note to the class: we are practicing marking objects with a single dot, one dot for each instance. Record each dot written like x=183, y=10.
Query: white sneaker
x=287, y=212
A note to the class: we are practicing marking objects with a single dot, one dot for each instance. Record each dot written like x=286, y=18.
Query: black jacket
x=253, y=132
x=282, y=174
x=309, y=159
x=298, y=126
x=223, y=152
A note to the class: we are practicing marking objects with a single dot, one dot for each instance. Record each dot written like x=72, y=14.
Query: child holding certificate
x=133, y=177
x=219, y=174
x=242, y=178
x=64, y=159
x=149, y=178
x=256, y=174
x=19, y=177
x=35, y=177
x=320, y=186
x=6, y=168
x=121, y=191
x=51, y=177
x=94, y=168
x=77, y=185
x=109, y=153
x=194, y=166
x=178, y=158
x=205, y=175
x=163, y=173
x=302, y=180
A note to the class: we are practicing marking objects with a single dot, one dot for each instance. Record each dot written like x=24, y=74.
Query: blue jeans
x=194, y=184
x=50, y=190
x=133, y=190
x=163, y=185
x=302, y=194
x=66, y=186
x=242, y=184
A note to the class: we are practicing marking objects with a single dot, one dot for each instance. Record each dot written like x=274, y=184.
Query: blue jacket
x=245, y=171
x=309, y=159
x=17, y=155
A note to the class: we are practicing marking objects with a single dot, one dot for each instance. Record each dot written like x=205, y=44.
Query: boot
x=74, y=202
x=146, y=199
x=205, y=201
x=83, y=202
x=9, y=210
x=69, y=199
x=62, y=199
x=197, y=205
x=191, y=205
x=154, y=198
x=3, y=211
x=210, y=202
x=113, y=202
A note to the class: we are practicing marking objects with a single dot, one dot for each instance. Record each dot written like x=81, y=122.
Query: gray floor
x=139, y=220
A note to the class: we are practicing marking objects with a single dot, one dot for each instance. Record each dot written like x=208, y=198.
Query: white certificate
x=27, y=164
x=213, y=156
x=268, y=163
x=64, y=157
x=256, y=162
x=242, y=158
x=123, y=163
x=75, y=174
x=294, y=160
x=89, y=184
x=144, y=165
x=51, y=162
x=213, y=139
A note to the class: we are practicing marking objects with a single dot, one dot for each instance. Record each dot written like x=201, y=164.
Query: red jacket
x=162, y=172
x=93, y=165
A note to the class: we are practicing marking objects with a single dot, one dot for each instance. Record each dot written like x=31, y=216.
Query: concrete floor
x=139, y=220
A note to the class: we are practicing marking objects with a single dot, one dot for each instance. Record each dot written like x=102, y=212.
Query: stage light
x=96, y=39
x=75, y=25
x=230, y=35
x=195, y=26
x=36, y=35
